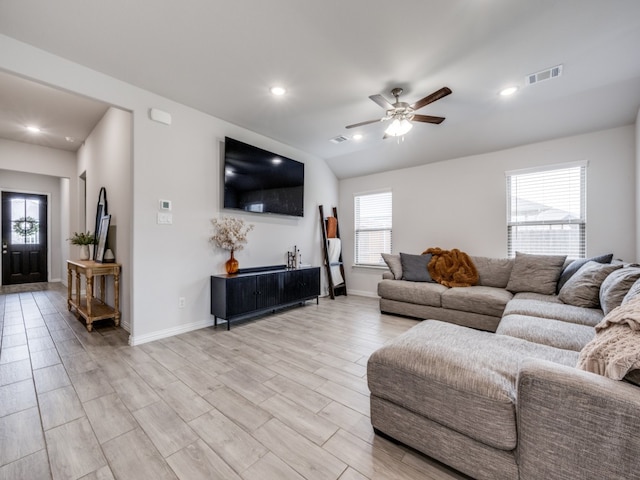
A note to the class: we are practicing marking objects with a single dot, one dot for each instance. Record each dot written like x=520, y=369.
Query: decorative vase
x=232, y=264
x=84, y=252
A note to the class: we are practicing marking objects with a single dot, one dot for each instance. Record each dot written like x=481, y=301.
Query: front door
x=24, y=238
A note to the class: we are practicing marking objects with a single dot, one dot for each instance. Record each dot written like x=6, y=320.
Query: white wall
x=461, y=203
x=637, y=180
x=105, y=158
x=39, y=169
x=180, y=163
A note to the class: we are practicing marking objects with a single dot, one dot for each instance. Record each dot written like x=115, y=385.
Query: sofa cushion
x=394, y=264
x=420, y=293
x=583, y=288
x=555, y=311
x=537, y=296
x=493, y=272
x=570, y=270
x=616, y=286
x=535, y=273
x=414, y=267
x=444, y=372
x=546, y=331
x=477, y=299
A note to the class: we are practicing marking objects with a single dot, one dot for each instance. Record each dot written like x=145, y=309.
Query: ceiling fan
x=402, y=113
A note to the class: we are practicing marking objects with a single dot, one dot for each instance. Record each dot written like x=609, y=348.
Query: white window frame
x=522, y=221
x=365, y=228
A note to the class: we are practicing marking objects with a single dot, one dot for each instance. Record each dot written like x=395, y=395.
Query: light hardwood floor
x=280, y=397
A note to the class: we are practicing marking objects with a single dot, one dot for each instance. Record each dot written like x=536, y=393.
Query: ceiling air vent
x=548, y=74
x=339, y=139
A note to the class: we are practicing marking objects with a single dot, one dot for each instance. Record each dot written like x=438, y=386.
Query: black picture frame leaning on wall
x=101, y=211
x=101, y=240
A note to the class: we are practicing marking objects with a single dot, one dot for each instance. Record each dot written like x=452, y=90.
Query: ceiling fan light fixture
x=398, y=127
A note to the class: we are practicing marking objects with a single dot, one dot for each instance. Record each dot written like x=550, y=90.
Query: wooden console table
x=88, y=307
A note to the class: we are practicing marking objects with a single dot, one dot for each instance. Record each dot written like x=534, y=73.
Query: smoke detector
x=543, y=75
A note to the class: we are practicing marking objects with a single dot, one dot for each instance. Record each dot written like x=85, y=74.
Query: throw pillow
x=632, y=293
x=574, y=266
x=583, y=288
x=616, y=286
x=535, y=273
x=414, y=267
x=394, y=264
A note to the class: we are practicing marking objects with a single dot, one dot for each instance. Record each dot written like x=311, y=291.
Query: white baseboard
x=169, y=332
x=362, y=293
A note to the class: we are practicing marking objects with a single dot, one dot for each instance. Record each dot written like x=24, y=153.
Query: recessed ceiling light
x=278, y=91
x=505, y=92
x=70, y=139
x=33, y=129
x=357, y=136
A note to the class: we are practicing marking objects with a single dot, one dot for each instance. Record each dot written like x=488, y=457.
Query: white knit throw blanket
x=615, y=350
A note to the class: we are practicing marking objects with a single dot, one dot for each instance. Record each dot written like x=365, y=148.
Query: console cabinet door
x=240, y=296
x=290, y=286
x=268, y=287
x=310, y=283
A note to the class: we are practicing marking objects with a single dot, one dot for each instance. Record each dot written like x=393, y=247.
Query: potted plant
x=84, y=240
x=231, y=234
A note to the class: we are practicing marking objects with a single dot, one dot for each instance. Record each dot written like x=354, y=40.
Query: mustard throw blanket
x=452, y=268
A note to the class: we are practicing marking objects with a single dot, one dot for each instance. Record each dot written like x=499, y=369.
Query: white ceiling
x=222, y=57
x=57, y=113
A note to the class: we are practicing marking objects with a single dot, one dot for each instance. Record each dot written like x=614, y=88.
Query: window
x=546, y=211
x=372, y=227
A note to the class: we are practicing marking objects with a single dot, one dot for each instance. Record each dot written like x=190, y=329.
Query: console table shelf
x=89, y=307
x=260, y=290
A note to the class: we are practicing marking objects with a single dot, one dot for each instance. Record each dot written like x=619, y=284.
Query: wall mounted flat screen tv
x=259, y=181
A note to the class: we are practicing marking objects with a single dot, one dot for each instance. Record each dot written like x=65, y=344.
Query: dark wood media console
x=253, y=291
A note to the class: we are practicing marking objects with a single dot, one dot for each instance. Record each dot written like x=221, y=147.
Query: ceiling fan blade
x=362, y=123
x=437, y=95
x=427, y=119
x=380, y=100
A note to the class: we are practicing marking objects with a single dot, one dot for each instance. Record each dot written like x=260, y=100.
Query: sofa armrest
x=388, y=276
x=575, y=424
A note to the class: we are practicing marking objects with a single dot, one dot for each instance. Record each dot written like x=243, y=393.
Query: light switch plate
x=165, y=218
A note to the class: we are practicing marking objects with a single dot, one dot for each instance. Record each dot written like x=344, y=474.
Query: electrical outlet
x=181, y=302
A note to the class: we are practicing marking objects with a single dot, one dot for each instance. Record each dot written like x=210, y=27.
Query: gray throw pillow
x=633, y=291
x=583, y=288
x=493, y=272
x=394, y=264
x=535, y=273
x=414, y=267
x=615, y=287
x=574, y=266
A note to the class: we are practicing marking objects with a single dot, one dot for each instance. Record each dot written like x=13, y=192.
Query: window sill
x=371, y=267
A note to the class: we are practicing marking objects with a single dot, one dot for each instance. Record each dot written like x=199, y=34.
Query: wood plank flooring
x=280, y=397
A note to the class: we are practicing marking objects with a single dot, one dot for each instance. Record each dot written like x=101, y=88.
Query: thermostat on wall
x=165, y=204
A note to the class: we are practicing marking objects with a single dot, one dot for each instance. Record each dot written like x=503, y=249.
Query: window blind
x=547, y=212
x=373, y=226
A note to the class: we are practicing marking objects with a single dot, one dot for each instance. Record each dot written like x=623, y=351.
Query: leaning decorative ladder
x=333, y=261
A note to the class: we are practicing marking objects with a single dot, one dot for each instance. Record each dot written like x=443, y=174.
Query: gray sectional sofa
x=504, y=399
